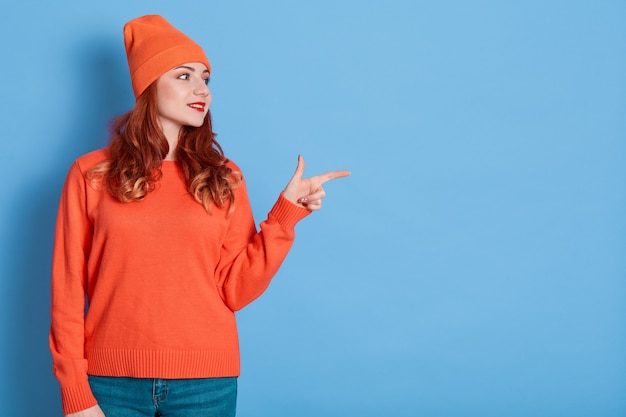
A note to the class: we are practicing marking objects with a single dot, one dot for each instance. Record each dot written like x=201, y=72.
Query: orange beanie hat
x=153, y=47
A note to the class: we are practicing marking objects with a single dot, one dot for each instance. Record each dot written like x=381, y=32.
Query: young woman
x=156, y=248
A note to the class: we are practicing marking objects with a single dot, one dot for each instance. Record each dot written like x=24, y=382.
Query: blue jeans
x=140, y=397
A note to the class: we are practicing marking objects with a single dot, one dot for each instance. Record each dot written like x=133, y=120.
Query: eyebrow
x=191, y=68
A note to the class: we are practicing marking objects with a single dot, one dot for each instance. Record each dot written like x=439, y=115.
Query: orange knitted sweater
x=148, y=289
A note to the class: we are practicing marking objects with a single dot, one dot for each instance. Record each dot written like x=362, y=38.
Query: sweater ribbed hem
x=287, y=213
x=77, y=398
x=167, y=364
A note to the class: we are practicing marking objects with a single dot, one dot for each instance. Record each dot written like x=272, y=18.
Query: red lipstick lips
x=198, y=106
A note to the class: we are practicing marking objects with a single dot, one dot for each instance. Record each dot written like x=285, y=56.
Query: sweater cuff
x=286, y=213
x=77, y=398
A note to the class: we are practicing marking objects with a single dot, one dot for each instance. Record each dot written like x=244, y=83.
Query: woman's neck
x=171, y=155
x=171, y=134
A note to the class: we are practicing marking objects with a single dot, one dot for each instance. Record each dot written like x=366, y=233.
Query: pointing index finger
x=331, y=175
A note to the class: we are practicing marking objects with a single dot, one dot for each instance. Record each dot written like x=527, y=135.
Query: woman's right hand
x=94, y=411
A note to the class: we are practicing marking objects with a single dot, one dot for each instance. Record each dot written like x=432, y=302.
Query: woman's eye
x=183, y=77
x=206, y=81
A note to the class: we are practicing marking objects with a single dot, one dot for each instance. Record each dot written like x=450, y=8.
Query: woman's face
x=183, y=97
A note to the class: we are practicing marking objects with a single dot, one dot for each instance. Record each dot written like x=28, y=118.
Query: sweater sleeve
x=72, y=242
x=249, y=258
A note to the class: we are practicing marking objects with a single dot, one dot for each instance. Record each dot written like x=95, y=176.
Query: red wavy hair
x=138, y=147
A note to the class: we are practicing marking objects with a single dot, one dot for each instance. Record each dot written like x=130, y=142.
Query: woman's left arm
x=249, y=259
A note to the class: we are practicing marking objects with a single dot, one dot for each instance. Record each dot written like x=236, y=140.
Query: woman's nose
x=202, y=90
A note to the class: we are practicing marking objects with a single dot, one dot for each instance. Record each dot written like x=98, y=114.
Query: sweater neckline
x=169, y=164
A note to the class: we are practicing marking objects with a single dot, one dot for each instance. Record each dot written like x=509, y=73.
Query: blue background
x=472, y=265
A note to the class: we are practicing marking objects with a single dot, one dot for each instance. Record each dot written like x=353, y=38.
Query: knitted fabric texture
x=162, y=277
x=153, y=47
